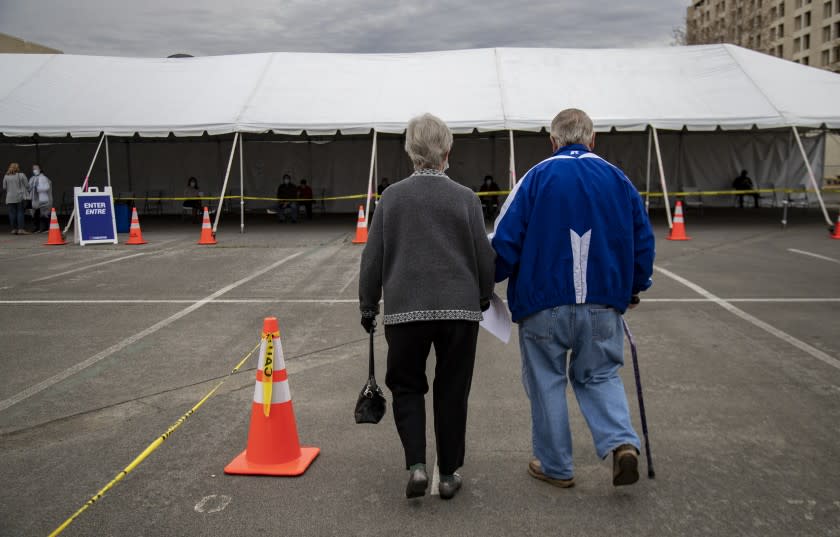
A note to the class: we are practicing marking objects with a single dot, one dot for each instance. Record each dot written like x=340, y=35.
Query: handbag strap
x=371, y=368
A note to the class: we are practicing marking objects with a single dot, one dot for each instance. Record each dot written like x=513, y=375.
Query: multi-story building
x=805, y=31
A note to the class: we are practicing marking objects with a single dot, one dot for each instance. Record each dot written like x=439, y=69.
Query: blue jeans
x=16, y=214
x=595, y=338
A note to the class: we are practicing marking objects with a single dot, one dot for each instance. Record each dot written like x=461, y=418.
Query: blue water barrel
x=122, y=213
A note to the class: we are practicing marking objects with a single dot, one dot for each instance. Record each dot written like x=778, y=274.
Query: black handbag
x=370, y=407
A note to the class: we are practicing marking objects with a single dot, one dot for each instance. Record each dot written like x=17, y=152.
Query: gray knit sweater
x=428, y=249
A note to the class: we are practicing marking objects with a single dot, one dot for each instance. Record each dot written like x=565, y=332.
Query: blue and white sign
x=95, y=221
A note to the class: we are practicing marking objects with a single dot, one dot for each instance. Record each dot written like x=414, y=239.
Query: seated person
x=490, y=204
x=743, y=182
x=287, y=196
x=305, y=196
x=192, y=192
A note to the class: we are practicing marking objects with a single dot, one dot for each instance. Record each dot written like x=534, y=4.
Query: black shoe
x=625, y=465
x=417, y=483
x=449, y=487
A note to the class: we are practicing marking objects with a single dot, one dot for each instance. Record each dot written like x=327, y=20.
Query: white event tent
x=697, y=114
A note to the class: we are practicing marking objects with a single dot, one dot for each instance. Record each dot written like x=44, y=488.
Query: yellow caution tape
x=268, y=372
x=151, y=448
x=486, y=194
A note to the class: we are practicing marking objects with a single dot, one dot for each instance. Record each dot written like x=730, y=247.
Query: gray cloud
x=161, y=27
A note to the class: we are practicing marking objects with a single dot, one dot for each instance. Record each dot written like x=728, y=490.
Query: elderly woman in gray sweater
x=428, y=251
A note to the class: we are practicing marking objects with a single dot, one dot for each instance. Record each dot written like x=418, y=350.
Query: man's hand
x=634, y=301
x=485, y=305
x=368, y=323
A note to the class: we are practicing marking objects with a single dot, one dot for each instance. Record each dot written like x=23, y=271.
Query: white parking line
x=784, y=336
x=55, y=379
x=86, y=267
x=818, y=256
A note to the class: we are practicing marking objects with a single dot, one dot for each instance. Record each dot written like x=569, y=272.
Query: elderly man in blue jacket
x=576, y=247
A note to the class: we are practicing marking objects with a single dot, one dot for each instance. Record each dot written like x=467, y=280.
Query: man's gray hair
x=572, y=126
x=427, y=141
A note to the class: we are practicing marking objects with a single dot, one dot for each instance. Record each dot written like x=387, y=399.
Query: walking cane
x=651, y=473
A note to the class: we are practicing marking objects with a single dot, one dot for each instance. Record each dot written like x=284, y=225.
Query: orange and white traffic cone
x=54, y=238
x=135, y=236
x=361, y=228
x=678, y=231
x=273, y=445
x=207, y=236
x=836, y=234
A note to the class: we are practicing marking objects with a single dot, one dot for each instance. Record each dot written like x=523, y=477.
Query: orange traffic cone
x=361, y=228
x=207, y=236
x=678, y=231
x=135, y=236
x=273, y=446
x=836, y=234
x=54, y=238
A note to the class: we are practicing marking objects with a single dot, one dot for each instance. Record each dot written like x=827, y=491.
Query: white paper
x=497, y=319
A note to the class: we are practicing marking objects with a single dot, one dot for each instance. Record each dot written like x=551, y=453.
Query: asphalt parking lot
x=104, y=347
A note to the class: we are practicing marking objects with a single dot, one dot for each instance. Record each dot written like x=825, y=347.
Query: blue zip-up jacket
x=573, y=231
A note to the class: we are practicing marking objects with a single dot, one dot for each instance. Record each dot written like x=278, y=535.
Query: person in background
x=16, y=186
x=383, y=184
x=42, y=199
x=428, y=251
x=305, y=196
x=490, y=204
x=287, y=195
x=743, y=182
x=192, y=191
x=576, y=247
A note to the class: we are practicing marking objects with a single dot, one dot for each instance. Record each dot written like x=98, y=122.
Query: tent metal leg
x=241, y=185
x=224, y=185
x=107, y=160
x=662, y=176
x=811, y=176
x=85, y=184
x=370, y=178
x=647, y=173
x=512, y=163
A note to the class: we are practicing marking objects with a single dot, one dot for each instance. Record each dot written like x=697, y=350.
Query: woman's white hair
x=427, y=141
x=572, y=126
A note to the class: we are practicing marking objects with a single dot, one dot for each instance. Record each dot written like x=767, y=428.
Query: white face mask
x=36, y=171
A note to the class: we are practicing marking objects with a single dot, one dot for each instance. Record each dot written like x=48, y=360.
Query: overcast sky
x=162, y=27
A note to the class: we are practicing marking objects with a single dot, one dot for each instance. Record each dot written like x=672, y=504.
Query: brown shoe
x=535, y=471
x=625, y=465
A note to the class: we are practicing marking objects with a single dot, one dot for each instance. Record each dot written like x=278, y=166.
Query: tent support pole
x=370, y=178
x=241, y=185
x=647, y=173
x=85, y=184
x=512, y=163
x=224, y=185
x=811, y=176
x=107, y=160
x=662, y=176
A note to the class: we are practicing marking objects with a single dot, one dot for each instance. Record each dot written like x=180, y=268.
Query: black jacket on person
x=287, y=191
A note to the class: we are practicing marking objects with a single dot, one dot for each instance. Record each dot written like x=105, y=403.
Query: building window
x=797, y=23
x=807, y=19
x=758, y=41
x=825, y=58
x=827, y=9
x=781, y=31
x=826, y=34
x=837, y=30
x=782, y=9
x=798, y=4
x=837, y=54
x=806, y=41
x=797, y=45
x=806, y=61
x=780, y=51
x=772, y=34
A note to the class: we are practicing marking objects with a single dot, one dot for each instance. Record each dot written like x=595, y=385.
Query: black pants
x=408, y=348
